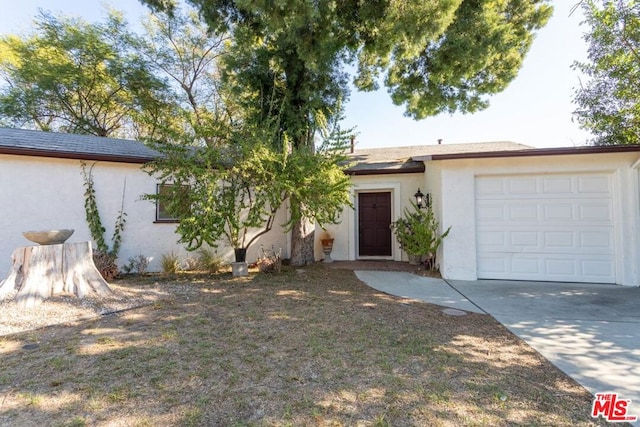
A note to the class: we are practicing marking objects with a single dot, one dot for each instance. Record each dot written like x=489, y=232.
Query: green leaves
x=417, y=231
x=75, y=77
x=609, y=104
x=92, y=215
x=479, y=53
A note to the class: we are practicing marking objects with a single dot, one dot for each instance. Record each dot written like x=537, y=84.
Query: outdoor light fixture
x=422, y=200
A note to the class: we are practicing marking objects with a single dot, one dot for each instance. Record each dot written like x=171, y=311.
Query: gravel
x=68, y=309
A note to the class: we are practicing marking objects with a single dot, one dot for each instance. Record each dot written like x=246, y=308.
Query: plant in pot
x=327, y=246
x=417, y=233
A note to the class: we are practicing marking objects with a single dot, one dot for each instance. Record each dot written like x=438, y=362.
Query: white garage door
x=545, y=227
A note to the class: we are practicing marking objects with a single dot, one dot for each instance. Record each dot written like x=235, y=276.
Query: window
x=163, y=191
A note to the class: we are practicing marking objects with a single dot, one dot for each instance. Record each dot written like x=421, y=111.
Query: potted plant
x=417, y=233
x=327, y=246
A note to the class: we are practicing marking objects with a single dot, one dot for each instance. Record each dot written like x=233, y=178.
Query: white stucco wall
x=44, y=193
x=456, y=207
x=345, y=234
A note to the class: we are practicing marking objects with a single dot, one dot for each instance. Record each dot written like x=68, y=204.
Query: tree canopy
x=76, y=77
x=435, y=56
x=609, y=102
x=287, y=60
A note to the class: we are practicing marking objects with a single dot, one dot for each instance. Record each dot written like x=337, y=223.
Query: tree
x=181, y=49
x=233, y=190
x=75, y=77
x=434, y=56
x=609, y=102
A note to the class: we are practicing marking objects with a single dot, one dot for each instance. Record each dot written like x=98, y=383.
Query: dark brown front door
x=374, y=218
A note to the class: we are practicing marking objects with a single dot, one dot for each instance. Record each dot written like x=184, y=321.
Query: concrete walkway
x=590, y=331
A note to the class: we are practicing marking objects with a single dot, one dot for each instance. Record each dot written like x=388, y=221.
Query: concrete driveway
x=589, y=331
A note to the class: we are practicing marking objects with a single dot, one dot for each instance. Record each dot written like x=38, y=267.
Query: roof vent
x=440, y=141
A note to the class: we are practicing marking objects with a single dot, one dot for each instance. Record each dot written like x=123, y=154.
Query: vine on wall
x=104, y=257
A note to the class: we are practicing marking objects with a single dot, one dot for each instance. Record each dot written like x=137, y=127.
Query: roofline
x=35, y=152
x=556, y=151
x=411, y=169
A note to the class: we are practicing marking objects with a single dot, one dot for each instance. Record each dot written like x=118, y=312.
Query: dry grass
x=312, y=347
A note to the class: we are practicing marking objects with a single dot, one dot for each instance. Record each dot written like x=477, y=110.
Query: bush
x=170, y=263
x=417, y=233
x=270, y=261
x=209, y=260
x=106, y=265
x=139, y=264
x=190, y=264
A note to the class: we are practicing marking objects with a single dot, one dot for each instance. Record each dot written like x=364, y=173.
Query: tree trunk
x=40, y=272
x=302, y=243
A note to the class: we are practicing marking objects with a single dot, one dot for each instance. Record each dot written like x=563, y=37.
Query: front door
x=374, y=218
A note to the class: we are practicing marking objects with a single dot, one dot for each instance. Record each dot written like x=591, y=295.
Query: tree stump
x=40, y=272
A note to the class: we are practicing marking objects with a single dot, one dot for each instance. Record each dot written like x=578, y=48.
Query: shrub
x=190, y=264
x=270, y=261
x=106, y=265
x=209, y=260
x=139, y=264
x=417, y=233
x=170, y=263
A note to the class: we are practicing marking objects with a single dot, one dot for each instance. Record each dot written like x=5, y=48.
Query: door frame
x=394, y=189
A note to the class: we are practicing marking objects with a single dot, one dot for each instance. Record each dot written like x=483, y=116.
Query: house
x=515, y=212
x=42, y=187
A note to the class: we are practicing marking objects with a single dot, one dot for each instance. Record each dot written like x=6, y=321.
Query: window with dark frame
x=162, y=215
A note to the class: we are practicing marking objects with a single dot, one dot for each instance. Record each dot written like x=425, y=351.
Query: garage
x=547, y=227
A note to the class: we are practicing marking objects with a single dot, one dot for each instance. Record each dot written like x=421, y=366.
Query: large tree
x=181, y=49
x=609, y=102
x=433, y=56
x=76, y=77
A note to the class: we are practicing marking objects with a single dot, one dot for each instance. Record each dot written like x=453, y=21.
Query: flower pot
x=327, y=247
x=241, y=254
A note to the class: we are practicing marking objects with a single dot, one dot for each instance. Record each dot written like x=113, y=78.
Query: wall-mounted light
x=422, y=200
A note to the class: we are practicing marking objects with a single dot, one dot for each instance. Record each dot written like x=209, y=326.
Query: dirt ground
x=311, y=346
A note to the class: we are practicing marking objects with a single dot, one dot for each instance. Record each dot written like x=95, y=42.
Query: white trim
x=396, y=209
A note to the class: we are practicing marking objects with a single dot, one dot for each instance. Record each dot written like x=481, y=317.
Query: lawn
x=306, y=347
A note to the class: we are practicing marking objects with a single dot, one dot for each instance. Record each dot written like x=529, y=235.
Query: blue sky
x=535, y=109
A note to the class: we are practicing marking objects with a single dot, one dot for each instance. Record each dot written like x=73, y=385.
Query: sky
x=535, y=109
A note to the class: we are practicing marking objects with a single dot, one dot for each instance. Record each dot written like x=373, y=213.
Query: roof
x=374, y=161
x=556, y=151
x=73, y=146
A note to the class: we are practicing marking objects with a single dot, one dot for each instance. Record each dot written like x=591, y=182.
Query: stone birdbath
x=51, y=268
x=48, y=237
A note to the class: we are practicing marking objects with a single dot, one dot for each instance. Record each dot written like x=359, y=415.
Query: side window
x=161, y=210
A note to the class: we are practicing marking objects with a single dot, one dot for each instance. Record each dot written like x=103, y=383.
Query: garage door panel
x=522, y=186
x=491, y=212
x=557, y=185
x=600, y=212
x=523, y=212
x=558, y=212
x=546, y=267
x=553, y=240
x=545, y=227
x=544, y=187
x=597, y=239
x=562, y=240
x=598, y=185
